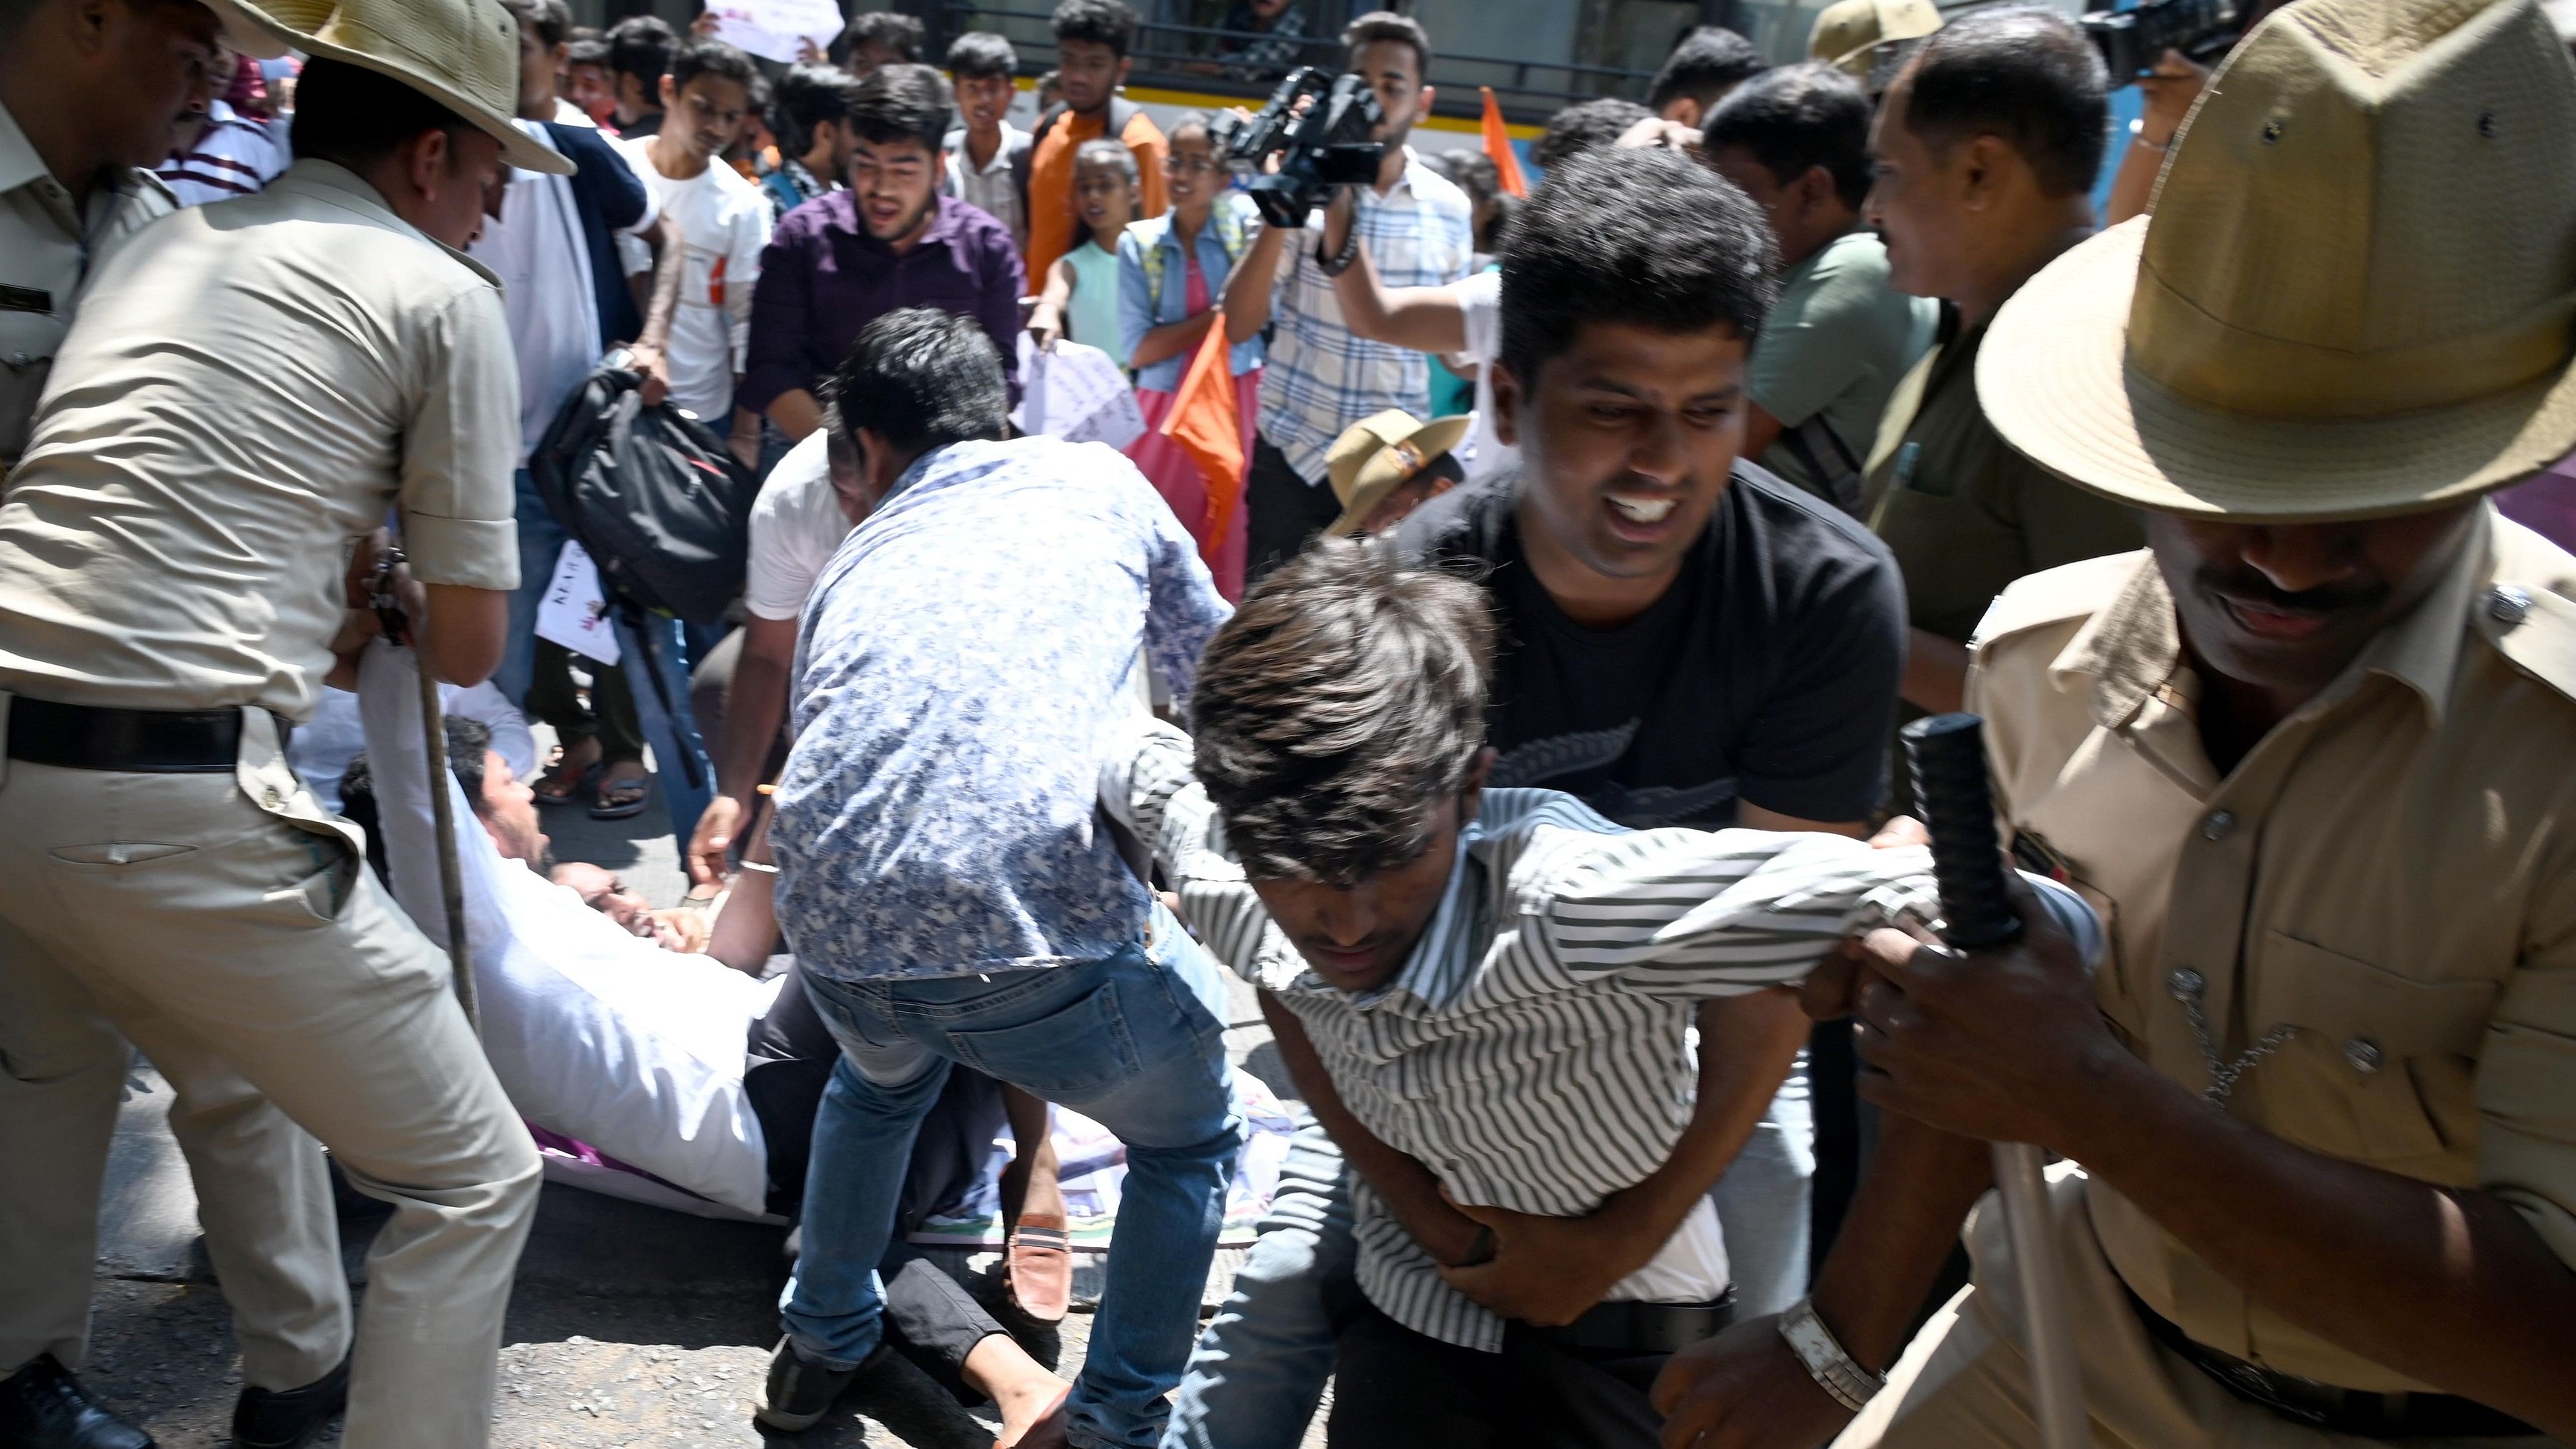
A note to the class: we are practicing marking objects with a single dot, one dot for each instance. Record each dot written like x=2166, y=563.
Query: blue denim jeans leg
x=1133, y=1041
x=1259, y=1369
x=1763, y=1198
x=541, y=542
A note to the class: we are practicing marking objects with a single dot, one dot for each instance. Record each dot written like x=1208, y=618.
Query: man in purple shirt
x=889, y=241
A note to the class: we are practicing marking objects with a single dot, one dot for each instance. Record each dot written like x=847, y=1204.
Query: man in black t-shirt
x=1686, y=640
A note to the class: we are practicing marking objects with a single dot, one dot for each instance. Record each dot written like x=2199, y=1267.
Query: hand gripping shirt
x=959, y=662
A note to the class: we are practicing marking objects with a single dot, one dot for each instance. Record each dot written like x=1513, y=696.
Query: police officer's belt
x=1621, y=1326
x=129, y=741
x=2358, y=1412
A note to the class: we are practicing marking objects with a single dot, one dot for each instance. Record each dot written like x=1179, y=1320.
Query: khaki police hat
x=463, y=54
x=1375, y=456
x=1849, y=33
x=2354, y=295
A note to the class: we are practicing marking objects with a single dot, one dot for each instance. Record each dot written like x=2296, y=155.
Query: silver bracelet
x=2138, y=136
x=763, y=867
x=1835, y=1371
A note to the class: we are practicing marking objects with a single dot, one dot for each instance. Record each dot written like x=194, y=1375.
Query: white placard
x=575, y=611
x=1081, y=395
x=772, y=29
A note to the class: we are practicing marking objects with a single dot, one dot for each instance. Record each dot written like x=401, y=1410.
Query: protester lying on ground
x=625, y=1053
x=1487, y=995
x=1080, y=296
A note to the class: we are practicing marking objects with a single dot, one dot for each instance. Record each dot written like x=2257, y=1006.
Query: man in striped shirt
x=1486, y=995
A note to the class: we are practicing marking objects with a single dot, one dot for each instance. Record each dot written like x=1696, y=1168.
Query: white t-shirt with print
x=796, y=525
x=724, y=223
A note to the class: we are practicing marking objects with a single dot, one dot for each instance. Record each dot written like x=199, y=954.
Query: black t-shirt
x=1767, y=673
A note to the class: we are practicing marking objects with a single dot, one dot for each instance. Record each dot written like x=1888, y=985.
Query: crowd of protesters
x=1492, y=650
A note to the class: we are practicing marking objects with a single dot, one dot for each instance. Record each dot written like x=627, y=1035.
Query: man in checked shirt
x=1487, y=996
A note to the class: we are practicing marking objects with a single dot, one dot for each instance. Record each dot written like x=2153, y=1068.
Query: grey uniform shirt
x=48, y=248
x=252, y=386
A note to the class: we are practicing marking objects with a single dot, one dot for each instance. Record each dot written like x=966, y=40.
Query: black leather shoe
x=42, y=1407
x=801, y=1391
x=289, y=1418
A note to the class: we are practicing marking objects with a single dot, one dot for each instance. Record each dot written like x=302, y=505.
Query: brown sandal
x=1040, y=1271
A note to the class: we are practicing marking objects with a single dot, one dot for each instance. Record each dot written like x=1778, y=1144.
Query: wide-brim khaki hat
x=463, y=54
x=1377, y=455
x=2353, y=297
x=1850, y=34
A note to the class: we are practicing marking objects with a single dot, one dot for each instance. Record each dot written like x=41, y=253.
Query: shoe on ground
x=42, y=1407
x=801, y=1391
x=289, y=1418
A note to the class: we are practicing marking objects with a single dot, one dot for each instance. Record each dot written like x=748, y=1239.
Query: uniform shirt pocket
x=28, y=341
x=2382, y=1069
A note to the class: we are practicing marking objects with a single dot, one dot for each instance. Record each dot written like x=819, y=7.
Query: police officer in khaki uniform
x=2310, y=756
x=250, y=388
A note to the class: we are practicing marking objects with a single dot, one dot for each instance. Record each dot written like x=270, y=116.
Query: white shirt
x=537, y=249
x=1480, y=297
x=234, y=155
x=796, y=524
x=724, y=223
x=594, y=1033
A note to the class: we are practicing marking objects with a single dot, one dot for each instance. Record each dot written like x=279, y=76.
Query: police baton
x=442, y=805
x=1946, y=755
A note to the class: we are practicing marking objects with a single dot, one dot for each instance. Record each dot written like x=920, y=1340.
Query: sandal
x=1039, y=1275
x=562, y=782
x=621, y=799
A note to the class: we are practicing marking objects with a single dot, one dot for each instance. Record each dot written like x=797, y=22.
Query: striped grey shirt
x=1535, y=1051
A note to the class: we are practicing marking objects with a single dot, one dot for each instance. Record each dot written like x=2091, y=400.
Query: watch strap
x=1834, y=1370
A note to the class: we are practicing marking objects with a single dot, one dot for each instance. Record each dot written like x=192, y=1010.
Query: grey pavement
x=629, y=1326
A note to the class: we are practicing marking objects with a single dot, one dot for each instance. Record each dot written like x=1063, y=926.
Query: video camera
x=1329, y=145
x=2132, y=41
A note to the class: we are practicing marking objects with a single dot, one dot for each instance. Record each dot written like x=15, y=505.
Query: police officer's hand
x=2006, y=1045
x=1744, y=1389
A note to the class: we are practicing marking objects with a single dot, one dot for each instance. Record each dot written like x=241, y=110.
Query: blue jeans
x=672, y=731
x=1134, y=1041
x=1259, y=1369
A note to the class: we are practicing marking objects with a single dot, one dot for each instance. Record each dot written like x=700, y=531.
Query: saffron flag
x=1203, y=422
x=1498, y=145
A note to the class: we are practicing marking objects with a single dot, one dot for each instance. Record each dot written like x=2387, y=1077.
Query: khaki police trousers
x=1963, y=1381
x=259, y=964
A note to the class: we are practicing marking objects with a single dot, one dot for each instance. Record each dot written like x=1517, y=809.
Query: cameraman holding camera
x=1320, y=377
x=2168, y=91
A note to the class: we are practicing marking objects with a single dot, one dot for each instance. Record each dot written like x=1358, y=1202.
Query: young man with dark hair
x=877, y=38
x=943, y=871
x=1707, y=63
x=988, y=157
x=889, y=241
x=809, y=114
x=1986, y=149
x=588, y=82
x=180, y=548
x=1584, y=126
x=1320, y=375
x=1092, y=41
x=639, y=55
x=707, y=94
x=1488, y=995
x=1686, y=640
x=2306, y=754
x=1796, y=140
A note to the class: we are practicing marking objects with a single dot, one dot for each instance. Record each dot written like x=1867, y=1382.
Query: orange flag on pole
x=1498, y=145
x=1205, y=424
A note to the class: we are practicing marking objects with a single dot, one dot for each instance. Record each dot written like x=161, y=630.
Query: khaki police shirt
x=2386, y=885
x=1964, y=513
x=251, y=387
x=48, y=247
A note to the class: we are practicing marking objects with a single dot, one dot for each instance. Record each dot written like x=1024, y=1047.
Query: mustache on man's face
x=2249, y=587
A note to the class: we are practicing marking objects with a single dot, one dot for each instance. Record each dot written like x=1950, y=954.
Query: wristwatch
x=1834, y=1371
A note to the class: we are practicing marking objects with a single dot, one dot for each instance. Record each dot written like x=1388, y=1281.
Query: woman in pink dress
x=1171, y=270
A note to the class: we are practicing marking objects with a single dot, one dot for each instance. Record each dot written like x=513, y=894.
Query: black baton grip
x=1946, y=754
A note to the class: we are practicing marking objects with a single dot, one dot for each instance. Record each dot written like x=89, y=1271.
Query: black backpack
x=653, y=495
